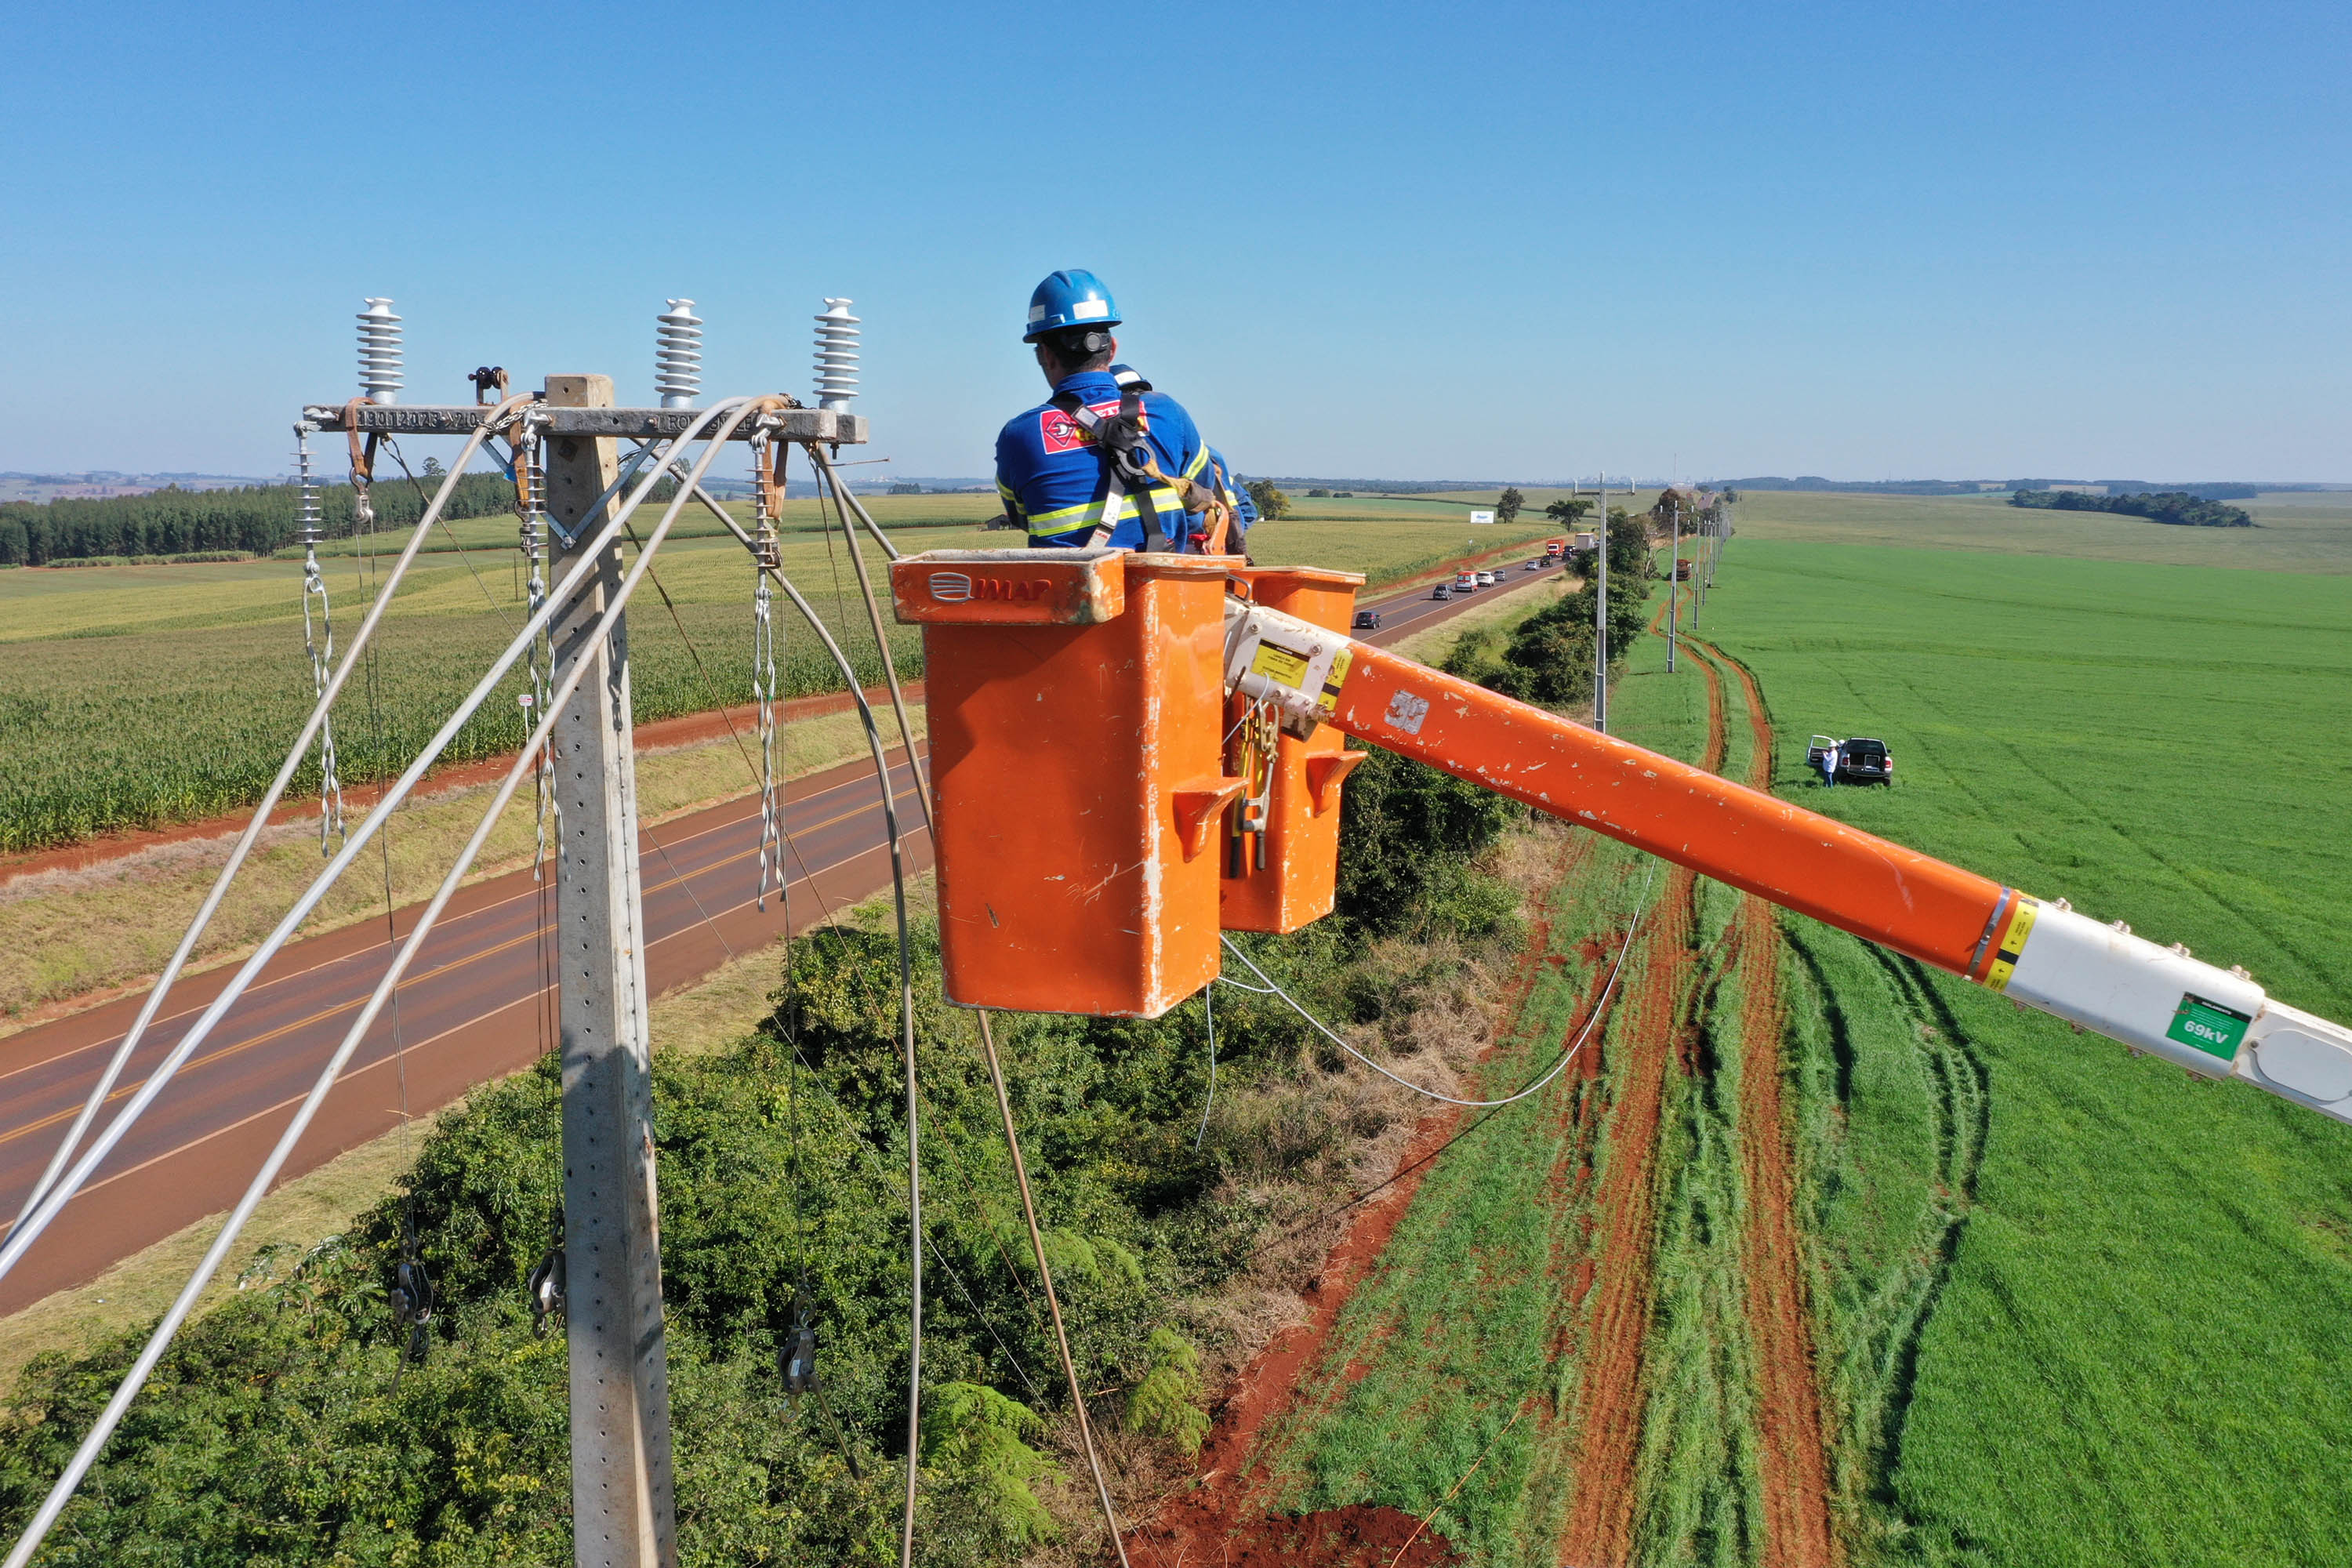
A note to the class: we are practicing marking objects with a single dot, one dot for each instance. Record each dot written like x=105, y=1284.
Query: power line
x=51, y=1193
x=1550, y=1073
x=1599, y=1007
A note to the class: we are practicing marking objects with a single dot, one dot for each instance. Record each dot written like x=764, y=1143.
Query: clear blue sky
x=1861, y=240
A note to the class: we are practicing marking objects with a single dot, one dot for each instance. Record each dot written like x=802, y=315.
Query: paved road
x=475, y=1006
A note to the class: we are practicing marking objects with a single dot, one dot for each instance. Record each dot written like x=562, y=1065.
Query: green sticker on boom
x=2208, y=1025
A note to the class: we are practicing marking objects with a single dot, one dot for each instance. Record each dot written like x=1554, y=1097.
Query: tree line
x=2178, y=507
x=255, y=519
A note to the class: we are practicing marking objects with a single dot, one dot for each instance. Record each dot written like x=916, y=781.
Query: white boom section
x=2217, y=1023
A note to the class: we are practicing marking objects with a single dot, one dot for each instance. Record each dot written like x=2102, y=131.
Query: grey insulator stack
x=836, y=356
x=380, y=359
x=678, y=355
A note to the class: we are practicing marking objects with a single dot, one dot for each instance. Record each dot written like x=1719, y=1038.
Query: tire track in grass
x=1611, y=1389
x=1793, y=1457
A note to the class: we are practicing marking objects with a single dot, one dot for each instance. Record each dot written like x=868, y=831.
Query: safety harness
x=1122, y=440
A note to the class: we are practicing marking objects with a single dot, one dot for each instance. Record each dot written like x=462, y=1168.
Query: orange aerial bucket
x=1075, y=699
x=1280, y=856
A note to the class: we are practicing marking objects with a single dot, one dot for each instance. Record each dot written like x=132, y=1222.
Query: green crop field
x=2080, y=1309
x=2298, y=530
x=132, y=695
x=2068, y=1308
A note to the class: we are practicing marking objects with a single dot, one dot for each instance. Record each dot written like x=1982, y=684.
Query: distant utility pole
x=1699, y=562
x=1674, y=586
x=623, y=1510
x=1601, y=618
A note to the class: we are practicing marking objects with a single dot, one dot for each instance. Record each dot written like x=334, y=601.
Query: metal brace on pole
x=623, y=1508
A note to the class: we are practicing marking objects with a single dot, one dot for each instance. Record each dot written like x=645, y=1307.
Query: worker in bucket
x=1236, y=495
x=1229, y=490
x=1098, y=464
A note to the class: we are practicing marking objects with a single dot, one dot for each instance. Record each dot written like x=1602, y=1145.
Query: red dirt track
x=1206, y=1523
x=1611, y=1383
x=1358, y=1536
x=1210, y=1522
x=1795, y=1466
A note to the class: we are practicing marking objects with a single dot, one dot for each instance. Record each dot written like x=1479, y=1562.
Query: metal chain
x=767, y=559
x=531, y=508
x=319, y=640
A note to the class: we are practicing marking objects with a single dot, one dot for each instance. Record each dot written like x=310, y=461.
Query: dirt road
x=1795, y=1465
x=1612, y=1382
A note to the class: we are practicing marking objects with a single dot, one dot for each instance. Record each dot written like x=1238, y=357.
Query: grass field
x=2298, y=530
x=2068, y=1308
x=2080, y=1309
x=140, y=695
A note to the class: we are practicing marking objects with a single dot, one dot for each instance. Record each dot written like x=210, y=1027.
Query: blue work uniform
x=1244, y=508
x=1053, y=481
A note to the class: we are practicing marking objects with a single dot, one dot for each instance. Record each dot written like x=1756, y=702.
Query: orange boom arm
x=1797, y=859
x=2214, y=1022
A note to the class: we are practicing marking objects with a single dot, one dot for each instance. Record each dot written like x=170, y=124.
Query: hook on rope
x=796, y=1363
x=798, y=1360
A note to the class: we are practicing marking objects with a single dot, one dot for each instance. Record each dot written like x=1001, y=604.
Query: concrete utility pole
x=1675, y=587
x=623, y=1510
x=1601, y=618
x=1699, y=567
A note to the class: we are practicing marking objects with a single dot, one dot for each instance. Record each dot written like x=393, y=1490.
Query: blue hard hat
x=1071, y=297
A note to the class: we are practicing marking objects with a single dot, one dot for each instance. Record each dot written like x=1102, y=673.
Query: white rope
x=104, y=1086
x=531, y=463
x=322, y=658
x=1556, y=1068
x=160, y=1340
x=763, y=680
x=39, y=1216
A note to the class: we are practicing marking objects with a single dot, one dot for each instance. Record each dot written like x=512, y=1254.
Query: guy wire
x=710, y=690
x=366, y=539
x=1046, y=1276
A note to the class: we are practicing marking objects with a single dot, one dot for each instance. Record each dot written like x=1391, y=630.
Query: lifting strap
x=1122, y=441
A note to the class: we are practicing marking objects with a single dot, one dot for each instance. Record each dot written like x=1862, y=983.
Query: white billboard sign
x=1482, y=517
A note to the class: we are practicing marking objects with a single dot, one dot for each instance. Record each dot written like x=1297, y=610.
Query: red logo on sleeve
x=1061, y=433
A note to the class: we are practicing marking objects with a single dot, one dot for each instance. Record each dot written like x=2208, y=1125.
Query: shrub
x=1166, y=1402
